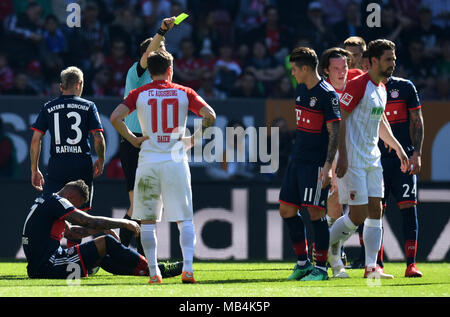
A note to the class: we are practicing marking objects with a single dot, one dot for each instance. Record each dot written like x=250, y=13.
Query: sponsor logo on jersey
x=346, y=99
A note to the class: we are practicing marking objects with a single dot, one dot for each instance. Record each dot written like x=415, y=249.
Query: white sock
x=149, y=244
x=187, y=242
x=341, y=229
x=372, y=240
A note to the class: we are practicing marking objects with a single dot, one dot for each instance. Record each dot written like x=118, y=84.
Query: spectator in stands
x=315, y=30
x=93, y=31
x=440, y=10
x=118, y=63
x=207, y=89
x=251, y=15
x=276, y=35
x=127, y=26
x=21, y=86
x=226, y=69
x=99, y=85
x=25, y=34
x=284, y=89
x=247, y=87
x=428, y=32
x=264, y=67
x=54, y=45
x=183, y=30
x=334, y=10
x=420, y=70
x=351, y=25
x=8, y=159
x=153, y=11
x=6, y=73
x=53, y=90
x=188, y=69
x=36, y=79
x=444, y=71
x=286, y=141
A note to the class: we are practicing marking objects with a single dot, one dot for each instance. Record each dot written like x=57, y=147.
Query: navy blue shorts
x=402, y=185
x=301, y=186
x=60, y=171
x=78, y=259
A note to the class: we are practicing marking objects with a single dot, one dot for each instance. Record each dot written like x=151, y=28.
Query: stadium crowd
x=226, y=48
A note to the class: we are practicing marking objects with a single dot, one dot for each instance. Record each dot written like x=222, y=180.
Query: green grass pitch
x=231, y=279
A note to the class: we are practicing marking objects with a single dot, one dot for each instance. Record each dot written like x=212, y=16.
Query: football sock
x=372, y=240
x=149, y=243
x=187, y=242
x=330, y=221
x=296, y=229
x=410, y=229
x=341, y=229
x=125, y=234
x=322, y=240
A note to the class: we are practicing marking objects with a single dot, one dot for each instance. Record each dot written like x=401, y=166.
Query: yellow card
x=180, y=18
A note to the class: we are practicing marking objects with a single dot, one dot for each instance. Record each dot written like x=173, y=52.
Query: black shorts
x=301, y=188
x=129, y=156
x=72, y=262
x=60, y=171
x=402, y=185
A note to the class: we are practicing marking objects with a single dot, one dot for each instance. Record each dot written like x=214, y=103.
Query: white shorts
x=359, y=184
x=163, y=184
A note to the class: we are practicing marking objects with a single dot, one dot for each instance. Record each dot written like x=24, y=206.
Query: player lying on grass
x=53, y=216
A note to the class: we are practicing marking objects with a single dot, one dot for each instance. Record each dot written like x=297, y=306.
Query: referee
x=137, y=76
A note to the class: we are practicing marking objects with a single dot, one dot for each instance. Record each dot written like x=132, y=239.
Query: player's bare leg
x=409, y=215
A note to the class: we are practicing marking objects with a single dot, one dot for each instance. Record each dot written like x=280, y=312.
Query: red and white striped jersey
x=162, y=109
x=365, y=101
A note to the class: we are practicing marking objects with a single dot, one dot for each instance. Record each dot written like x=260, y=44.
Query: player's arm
x=83, y=219
x=166, y=25
x=388, y=138
x=116, y=119
x=74, y=232
x=333, y=138
x=209, y=116
x=99, y=145
x=416, y=133
x=37, y=180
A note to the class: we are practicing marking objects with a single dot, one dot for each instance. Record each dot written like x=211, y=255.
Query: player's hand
x=404, y=161
x=132, y=226
x=113, y=233
x=37, y=180
x=136, y=142
x=415, y=162
x=388, y=147
x=325, y=175
x=168, y=23
x=341, y=165
x=99, y=165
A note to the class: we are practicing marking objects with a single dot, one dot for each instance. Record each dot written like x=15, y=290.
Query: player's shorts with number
x=358, y=184
x=402, y=185
x=163, y=184
x=301, y=186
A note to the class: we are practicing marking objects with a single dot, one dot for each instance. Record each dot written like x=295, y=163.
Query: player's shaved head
x=79, y=187
x=304, y=56
x=70, y=77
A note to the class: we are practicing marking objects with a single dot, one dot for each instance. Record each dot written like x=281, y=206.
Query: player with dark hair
x=162, y=175
x=54, y=216
x=137, y=76
x=334, y=64
x=362, y=107
x=403, y=111
x=308, y=175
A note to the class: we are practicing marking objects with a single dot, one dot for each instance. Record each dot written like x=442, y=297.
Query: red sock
x=142, y=267
x=410, y=251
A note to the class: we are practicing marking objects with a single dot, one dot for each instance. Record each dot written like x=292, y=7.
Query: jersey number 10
x=165, y=103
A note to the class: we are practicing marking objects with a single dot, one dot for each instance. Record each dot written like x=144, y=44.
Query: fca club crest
x=394, y=93
x=353, y=194
x=312, y=101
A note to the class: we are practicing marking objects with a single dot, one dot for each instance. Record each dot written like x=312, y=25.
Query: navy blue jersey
x=69, y=119
x=402, y=97
x=43, y=229
x=314, y=108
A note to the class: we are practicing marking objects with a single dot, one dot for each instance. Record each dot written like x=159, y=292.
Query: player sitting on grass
x=53, y=216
